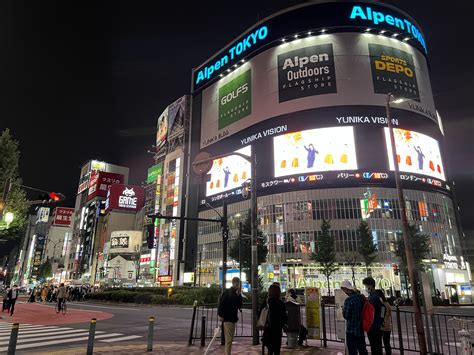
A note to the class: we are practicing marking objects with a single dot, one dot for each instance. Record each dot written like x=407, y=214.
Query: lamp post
x=202, y=166
x=406, y=239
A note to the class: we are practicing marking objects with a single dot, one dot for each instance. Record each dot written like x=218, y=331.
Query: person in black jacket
x=229, y=305
x=276, y=321
x=12, y=297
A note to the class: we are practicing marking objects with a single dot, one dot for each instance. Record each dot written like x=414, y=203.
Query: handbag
x=263, y=319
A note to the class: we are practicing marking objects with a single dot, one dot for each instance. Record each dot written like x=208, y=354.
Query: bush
x=145, y=297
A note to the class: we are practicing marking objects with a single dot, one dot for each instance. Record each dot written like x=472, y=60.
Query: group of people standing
x=50, y=293
x=10, y=295
x=230, y=304
x=354, y=311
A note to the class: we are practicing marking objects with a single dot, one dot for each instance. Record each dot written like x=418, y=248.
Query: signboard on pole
x=313, y=316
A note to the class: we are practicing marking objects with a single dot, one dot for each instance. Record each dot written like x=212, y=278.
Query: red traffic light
x=54, y=197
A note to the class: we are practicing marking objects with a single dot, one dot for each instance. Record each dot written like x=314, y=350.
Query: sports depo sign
x=125, y=197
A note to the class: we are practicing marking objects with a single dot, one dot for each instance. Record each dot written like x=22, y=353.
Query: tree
x=16, y=202
x=367, y=247
x=45, y=270
x=325, y=252
x=420, y=245
x=245, y=257
x=352, y=258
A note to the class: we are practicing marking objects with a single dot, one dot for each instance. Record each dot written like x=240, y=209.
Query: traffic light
x=150, y=236
x=51, y=197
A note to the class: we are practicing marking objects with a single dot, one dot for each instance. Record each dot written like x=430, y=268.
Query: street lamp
x=9, y=217
x=406, y=239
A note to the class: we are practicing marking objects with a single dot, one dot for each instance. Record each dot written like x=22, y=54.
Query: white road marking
x=34, y=330
x=41, y=337
x=55, y=342
x=121, y=339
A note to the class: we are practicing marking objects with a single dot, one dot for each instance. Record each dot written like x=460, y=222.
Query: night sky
x=88, y=80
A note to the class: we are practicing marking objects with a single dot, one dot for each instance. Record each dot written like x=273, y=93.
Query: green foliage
x=245, y=259
x=325, y=252
x=367, y=247
x=45, y=270
x=16, y=202
x=158, y=295
x=420, y=245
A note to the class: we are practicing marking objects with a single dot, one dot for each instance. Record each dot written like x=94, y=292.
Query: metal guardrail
x=445, y=337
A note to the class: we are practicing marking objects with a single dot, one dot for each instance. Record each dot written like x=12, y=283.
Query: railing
x=444, y=334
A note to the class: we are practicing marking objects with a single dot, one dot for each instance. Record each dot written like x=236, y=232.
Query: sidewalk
x=37, y=313
x=240, y=347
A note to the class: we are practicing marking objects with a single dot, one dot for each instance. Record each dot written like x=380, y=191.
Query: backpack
x=368, y=315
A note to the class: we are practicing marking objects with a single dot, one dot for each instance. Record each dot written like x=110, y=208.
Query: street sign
x=202, y=163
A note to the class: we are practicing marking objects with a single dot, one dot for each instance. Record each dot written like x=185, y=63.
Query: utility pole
x=406, y=239
x=225, y=238
x=254, y=265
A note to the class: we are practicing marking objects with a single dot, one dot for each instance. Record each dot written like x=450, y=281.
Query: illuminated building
x=306, y=90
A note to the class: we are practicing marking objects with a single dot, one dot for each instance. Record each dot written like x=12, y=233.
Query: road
x=127, y=324
x=41, y=330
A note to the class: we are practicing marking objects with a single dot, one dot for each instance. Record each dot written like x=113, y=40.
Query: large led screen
x=322, y=149
x=416, y=153
x=229, y=173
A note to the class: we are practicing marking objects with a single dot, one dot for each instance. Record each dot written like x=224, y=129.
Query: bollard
x=90, y=342
x=399, y=328
x=323, y=319
x=151, y=325
x=190, y=341
x=203, y=331
x=13, y=339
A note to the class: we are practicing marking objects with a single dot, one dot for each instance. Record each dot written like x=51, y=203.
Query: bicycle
x=63, y=309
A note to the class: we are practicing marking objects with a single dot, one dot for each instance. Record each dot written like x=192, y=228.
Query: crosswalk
x=34, y=336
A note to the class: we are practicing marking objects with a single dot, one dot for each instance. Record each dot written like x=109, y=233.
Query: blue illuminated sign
x=375, y=17
x=232, y=54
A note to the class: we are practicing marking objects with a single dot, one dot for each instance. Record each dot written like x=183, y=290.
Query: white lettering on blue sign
x=233, y=53
x=366, y=13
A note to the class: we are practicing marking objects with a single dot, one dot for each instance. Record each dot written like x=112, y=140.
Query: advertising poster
x=100, y=181
x=125, y=242
x=229, y=173
x=162, y=129
x=393, y=71
x=313, y=319
x=416, y=153
x=235, y=99
x=125, y=197
x=305, y=72
x=176, y=112
x=153, y=173
x=322, y=149
x=62, y=216
x=164, y=264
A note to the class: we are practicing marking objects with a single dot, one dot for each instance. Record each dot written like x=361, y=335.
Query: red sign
x=125, y=197
x=99, y=183
x=62, y=216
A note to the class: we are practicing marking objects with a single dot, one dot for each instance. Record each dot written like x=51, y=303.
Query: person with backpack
x=229, y=305
x=352, y=312
x=387, y=323
x=375, y=332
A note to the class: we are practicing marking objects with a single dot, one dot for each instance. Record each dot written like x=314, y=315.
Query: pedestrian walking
x=32, y=295
x=44, y=294
x=12, y=297
x=276, y=320
x=375, y=332
x=229, y=305
x=61, y=296
x=6, y=305
x=352, y=313
x=387, y=322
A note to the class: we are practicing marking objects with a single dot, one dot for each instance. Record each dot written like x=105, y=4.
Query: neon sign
x=366, y=13
x=232, y=54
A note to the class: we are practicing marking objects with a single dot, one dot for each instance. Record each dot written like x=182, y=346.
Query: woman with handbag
x=276, y=321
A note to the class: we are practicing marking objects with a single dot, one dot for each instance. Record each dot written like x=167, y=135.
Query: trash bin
x=294, y=323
